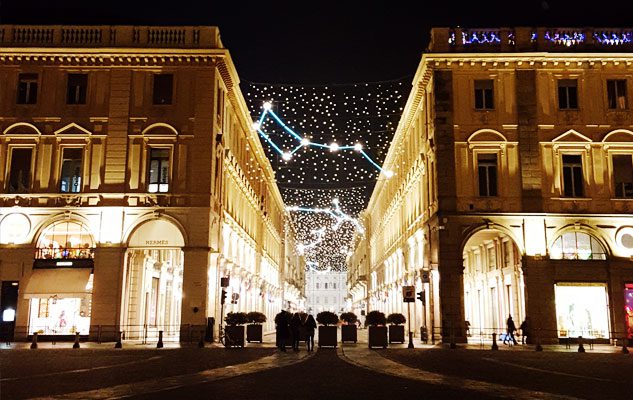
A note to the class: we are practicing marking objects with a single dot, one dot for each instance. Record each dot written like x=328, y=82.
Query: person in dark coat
x=525, y=330
x=510, y=329
x=310, y=326
x=295, y=326
x=281, y=329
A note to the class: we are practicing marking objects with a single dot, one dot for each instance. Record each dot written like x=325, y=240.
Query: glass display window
x=582, y=310
x=60, y=316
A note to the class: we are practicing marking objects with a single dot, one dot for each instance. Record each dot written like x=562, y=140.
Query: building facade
x=325, y=291
x=131, y=181
x=512, y=187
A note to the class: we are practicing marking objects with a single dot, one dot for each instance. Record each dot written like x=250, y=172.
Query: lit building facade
x=131, y=181
x=512, y=188
x=325, y=291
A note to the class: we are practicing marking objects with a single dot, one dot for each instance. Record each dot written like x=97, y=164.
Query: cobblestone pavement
x=97, y=371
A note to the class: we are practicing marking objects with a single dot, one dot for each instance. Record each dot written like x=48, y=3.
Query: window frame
x=612, y=174
x=173, y=88
x=9, y=160
x=85, y=94
x=575, y=256
x=37, y=89
x=496, y=167
x=485, y=106
x=568, y=106
x=82, y=182
x=583, y=194
x=170, y=162
x=615, y=80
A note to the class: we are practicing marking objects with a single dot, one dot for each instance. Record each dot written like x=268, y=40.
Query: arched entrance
x=493, y=283
x=153, y=281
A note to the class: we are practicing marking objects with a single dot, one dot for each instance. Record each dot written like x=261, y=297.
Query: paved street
x=350, y=371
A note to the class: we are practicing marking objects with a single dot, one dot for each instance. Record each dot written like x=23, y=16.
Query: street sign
x=408, y=294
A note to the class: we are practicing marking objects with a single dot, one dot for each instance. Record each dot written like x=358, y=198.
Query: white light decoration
x=388, y=174
x=334, y=146
x=286, y=156
x=268, y=105
x=358, y=147
x=256, y=125
x=305, y=142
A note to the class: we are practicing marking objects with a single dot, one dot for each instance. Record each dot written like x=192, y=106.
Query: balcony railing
x=110, y=36
x=65, y=253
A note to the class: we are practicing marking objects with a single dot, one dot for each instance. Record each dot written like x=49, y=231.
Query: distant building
x=513, y=187
x=325, y=291
x=131, y=181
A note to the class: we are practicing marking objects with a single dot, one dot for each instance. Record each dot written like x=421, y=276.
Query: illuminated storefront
x=582, y=309
x=628, y=309
x=60, y=285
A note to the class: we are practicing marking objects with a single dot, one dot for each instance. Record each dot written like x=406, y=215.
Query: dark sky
x=322, y=41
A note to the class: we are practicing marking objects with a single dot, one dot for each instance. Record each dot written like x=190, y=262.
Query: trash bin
x=424, y=336
x=208, y=335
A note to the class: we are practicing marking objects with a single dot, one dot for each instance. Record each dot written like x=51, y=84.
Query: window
x=158, y=170
x=484, y=94
x=623, y=175
x=20, y=170
x=27, y=89
x=572, y=175
x=318, y=285
x=567, y=94
x=492, y=258
x=577, y=246
x=163, y=88
x=616, y=94
x=326, y=285
x=77, y=89
x=487, y=171
x=334, y=286
x=70, y=181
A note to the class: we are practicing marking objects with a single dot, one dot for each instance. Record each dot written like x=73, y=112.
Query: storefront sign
x=156, y=233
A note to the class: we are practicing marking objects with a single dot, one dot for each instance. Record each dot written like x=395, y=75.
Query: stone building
x=131, y=181
x=325, y=291
x=512, y=191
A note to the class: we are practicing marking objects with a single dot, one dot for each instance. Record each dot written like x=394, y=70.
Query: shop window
x=487, y=174
x=163, y=89
x=65, y=240
x=27, y=89
x=70, y=180
x=582, y=309
x=484, y=98
x=568, y=94
x=158, y=170
x=572, y=175
x=577, y=246
x=623, y=175
x=616, y=94
x=20, y=170
x=77, y=88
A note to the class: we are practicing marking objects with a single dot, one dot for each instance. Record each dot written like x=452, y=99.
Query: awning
x=60, y=282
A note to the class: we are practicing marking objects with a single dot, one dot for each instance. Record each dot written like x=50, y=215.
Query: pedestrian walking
x=281, y=329
x=510, y=329
x=525, y=330
x=310, y=328
x=295, y=327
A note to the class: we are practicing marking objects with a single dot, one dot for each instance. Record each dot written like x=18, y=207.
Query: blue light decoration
x=533, y=37
x=305, y=142
x=613, y=38
x=567, y=39
x=480, y=37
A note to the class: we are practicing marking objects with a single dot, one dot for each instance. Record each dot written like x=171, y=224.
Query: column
x=194, y=292
x=107, y=293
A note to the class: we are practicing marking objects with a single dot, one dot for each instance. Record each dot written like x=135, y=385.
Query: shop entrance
x=8, y=305
x=152, y=298
x=493, y=283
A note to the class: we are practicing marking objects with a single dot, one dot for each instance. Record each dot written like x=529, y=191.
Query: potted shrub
x=254, y=328
x=348, y=329
x=327, y=329
x=396, y=327
x=376, y=321
x=235, y=328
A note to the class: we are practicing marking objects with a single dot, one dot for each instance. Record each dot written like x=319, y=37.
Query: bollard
x=118, y=344
x=495, y=346
x=625, y=349
x=159, y=345
x=581, y=348
x=76, y=344
x=201, y=342
x=34, y=341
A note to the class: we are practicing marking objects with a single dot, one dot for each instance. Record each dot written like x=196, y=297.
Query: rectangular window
x=77, y=89
x=616, y=94
x=318, y=286
x=484, y=99
x=27, y=89
x=72, y=160
x=163, y=89
x=572, y=176
x=158, y=170
x=568, y=94
x=334, y=286
x=487, y=171
x=20, y=170
x=623, y=175
x=326, y=285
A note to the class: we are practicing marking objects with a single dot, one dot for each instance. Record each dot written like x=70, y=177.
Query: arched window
x=577, y=246
x=65, y=240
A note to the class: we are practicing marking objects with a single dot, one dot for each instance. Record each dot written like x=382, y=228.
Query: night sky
x=335, y=71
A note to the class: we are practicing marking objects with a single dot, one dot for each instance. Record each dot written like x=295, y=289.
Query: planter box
x=254, y=333
x=328, y=336
x=236, y=333
x=378, y=336
x=396, y=333
x=349, y=333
